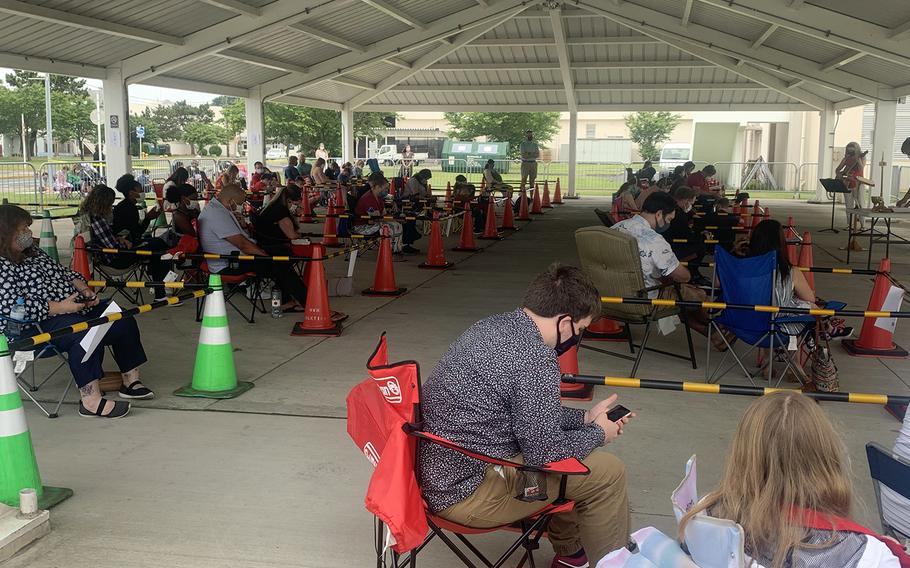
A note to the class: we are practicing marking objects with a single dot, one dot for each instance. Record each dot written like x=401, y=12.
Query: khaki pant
x=528, y=170
x=599, y=522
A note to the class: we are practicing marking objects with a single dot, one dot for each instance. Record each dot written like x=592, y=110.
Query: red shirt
x=698, y=182
x=369, y=201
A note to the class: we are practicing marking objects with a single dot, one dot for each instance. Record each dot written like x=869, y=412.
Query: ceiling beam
x=398, y=62
x=727, y=62
x=327, y=37
x=687, y=12
x=351, y=82
x=581, y=87
x=565, y=62
x=432, y=57
x=849, y=103
x=795, y=4
x=196, y=86
x=307, y=102
x=56, y=66
x=396, y=13
x=547, y=65
x=267, y=62
x=655, y=22
x=629, y=107
x=539, y=12
x=824, y=24
x=235, y=6
x=764, y=36
x=392, y=46
x=483, y=3
x=224, y=35
x=841, y=60
x=900, y=32
x=91, y=24
x=534, y=41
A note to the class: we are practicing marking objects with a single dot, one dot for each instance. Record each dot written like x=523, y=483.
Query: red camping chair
x=384, y=420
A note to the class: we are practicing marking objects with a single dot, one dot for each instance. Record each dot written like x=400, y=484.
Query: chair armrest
x=568, y=466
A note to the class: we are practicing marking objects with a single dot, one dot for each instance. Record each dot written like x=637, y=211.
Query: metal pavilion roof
x=486, y=55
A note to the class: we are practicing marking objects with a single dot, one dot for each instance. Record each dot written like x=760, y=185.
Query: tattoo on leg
x=87, y=390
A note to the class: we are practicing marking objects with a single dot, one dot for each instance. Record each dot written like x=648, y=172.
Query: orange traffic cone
x=792, y=254
x=545, y=203
x=467, y=243
x=557, y=194
x=317, y=319
x=384, y=279
x=436, y=255
x=767, y=214
x=605, y=329
x=307, y=215
x=535, y=203
x=508, y=215
x=448, y=192
x=523, y=207
x=80, y=258
x=805, y=258
x=489, y=230
x=756, y=217
x=392, y=190
x=568, y=365
x=790, y=229
x=877, y=338
x=330, y=228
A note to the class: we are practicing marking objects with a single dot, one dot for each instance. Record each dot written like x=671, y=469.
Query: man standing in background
x=530, y=152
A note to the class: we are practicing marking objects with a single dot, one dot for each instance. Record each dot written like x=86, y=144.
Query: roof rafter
x=582, y=87
x=534, y=41
x=327, y=37
x=235, y=6
x=56, y=66
x=826, y=25
x=267, y=62
x=687, y=12
x=545, y=65
x=352, y=82
x=432, y=57
x=70, y=19
x=764, y=36
x=841, y=60
x=390, y=47
x=565, y=62
x=724, y=61
x=735, y=47
x=398, y=107
x=197, y=86
x=396, y=13
x=900, y=32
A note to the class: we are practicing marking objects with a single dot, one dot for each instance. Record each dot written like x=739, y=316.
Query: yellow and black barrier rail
x=29, y=342
x=713, y=388
x=144, y=284
x=818, y=269
x=235, y=257
x=660, y=302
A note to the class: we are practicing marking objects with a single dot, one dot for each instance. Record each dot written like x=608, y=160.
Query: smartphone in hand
x=617, y=413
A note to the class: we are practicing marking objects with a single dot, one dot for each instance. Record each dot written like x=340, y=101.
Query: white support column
x=573, y=157
x=825, y=149
x=347, y=133
x=255, y=128
x=116, y=134
x=881, y=158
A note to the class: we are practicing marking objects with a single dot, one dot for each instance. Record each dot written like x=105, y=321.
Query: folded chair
x=612, y=261
x=750, y=281
x=889, y=472
x=384, y=420
x=24, y=368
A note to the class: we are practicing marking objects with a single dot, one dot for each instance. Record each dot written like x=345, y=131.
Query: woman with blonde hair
x=787, y=484
x=848, y=170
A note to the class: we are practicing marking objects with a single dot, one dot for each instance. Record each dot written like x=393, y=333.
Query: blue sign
x=140, y=132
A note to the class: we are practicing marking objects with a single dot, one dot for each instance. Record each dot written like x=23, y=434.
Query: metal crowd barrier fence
x=19, y=184
x=753, y=308
x=750, y=177
x=807, y=178
x=148, y=170
x=30, y=342
x=714, y=388
x=67, y=182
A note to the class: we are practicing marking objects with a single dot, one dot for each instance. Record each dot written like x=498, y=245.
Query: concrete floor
x=272, y=479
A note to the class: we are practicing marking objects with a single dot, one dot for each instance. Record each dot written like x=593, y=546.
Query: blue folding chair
x=750, y=281
x=29, y=358
x=888, y=470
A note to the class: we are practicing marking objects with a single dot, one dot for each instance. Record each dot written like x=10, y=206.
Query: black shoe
x=120, y=409
x=701, y=281
x=136, y=390
x=408, y=249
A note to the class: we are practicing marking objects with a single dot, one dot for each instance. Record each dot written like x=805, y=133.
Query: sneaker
x=120, y=409
x=577, y=560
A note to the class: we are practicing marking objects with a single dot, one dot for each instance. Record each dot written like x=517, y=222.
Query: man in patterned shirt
x=496, y=392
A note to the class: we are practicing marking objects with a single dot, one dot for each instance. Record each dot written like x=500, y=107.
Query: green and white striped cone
x=18, y=467
x=48, y=241
x=214, y=375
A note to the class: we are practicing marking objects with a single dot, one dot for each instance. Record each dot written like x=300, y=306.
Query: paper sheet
x=892, y=304
x=94, y=336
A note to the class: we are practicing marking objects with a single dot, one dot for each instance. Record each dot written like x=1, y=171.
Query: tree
x=503, y=126
x=233, y=116
x=152, y=133
x=202, y=134
x=649, y=129
x=214, y=150
x=172, y=120
x=72, y=117
x=59, y=83
x=224, y=101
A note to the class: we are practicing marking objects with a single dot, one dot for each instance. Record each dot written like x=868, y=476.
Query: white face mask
x=192, y=205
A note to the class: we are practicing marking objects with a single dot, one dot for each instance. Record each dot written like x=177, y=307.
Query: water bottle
x=17, y=315
x=276, y=303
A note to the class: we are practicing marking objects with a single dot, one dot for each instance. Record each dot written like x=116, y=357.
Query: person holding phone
x=496, y=392
x=56, y=297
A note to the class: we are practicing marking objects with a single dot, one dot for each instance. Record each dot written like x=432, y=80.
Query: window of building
x=590, y=131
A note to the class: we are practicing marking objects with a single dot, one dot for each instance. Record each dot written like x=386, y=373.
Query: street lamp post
x=49, y=139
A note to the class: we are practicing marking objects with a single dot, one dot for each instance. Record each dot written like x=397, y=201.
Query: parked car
x=276, y=154
x=388, y=155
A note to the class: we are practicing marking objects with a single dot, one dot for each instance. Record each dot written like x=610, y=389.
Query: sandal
x=136, y=392
x=119, y=410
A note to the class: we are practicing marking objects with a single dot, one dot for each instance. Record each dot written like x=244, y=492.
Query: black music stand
x=833, y=186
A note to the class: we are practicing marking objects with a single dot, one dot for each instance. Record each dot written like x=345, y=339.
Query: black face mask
x=563, y=347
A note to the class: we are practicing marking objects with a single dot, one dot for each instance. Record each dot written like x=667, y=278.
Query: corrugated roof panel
x=886, y=13
x=521, y=28
x=879, y=70
x=361, y=23
x=727, y=21
x=803, y=46
x=501, y=54
x=27, y=36
x=173, y=17
x=214, y=69
x=304, y=51
x=595, y=27
x=415, y=54
x=672, y=7
x=329, y=91
x=428, y=10
x=480, y=77
x=375, y=73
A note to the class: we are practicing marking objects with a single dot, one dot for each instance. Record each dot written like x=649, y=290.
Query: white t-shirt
x=657, y=258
